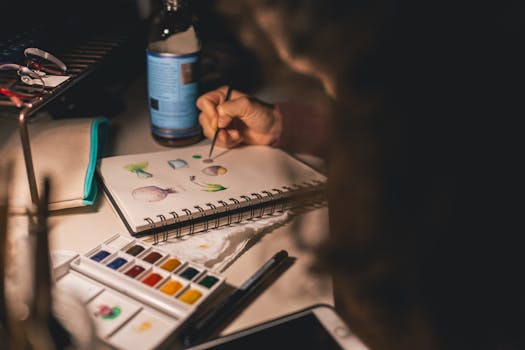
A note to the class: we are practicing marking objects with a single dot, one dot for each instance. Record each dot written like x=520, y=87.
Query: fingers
x=228, y=138
x=215, y=98
x=240, y=107
x=206, y=122
x=242, y=118
x=209, y=123
x=257, y=115
x=209, y=102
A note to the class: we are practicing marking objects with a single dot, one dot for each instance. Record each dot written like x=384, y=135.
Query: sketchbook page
x=151, y=184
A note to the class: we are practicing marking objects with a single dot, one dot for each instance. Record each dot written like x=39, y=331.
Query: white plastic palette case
x=135, y=293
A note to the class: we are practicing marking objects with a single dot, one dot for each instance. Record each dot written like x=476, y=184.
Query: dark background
x=56, y=26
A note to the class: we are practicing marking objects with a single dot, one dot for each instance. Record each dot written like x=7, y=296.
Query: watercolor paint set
x=136, y=294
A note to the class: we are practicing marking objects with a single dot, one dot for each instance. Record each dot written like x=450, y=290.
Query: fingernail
x=222, y=122
x=220, y=110
x=234, y=134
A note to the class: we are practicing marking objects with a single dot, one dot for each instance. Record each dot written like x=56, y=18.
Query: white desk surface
x=82, y=229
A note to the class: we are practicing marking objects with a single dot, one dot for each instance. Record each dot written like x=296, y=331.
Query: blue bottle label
x=173, y=90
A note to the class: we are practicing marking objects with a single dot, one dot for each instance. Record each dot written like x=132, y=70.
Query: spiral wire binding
x=260, y=198
x=249, y=201
x=265, y=200
x=178, y=229
x=227, y=209
x=283, y=202
x=152, y=226
x=164, y=224
x=203, y=216
x=270, y=195
x=237, y=206
x=289, y=189
x=192, y=223
x=215, y=212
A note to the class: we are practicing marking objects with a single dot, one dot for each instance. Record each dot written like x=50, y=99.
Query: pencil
x=216, y=316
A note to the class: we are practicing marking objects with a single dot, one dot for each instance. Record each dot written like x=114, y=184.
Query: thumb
x=224, y=118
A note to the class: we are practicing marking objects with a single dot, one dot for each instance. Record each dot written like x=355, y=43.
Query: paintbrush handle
x=213, y=142
x=227, y=98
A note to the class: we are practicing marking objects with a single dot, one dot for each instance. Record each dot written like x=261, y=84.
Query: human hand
x=242, y=119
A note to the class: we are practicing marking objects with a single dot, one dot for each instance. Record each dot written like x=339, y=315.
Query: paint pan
x=190, y=272
x=136, y=293
x=170, y=264
x=145, y=331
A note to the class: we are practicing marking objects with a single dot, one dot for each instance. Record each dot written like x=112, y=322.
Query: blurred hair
x=425, y=243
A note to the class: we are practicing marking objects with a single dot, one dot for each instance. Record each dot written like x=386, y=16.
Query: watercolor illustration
x=144, y=326
x=177, y=163
x=215, y=170
x=108, y=313
x=151, y=193
x=208, y=187
x=139, y=169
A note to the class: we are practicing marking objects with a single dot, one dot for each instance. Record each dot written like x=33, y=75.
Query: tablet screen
x=305, y=332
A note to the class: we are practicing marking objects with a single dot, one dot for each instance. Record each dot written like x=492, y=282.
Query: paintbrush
x=4, y=320
x=46, y=330
x=228, y=94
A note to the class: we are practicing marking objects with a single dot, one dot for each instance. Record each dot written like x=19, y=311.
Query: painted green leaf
x=139, y=169
x=137, y=166
x=209, y=187
x=215, y=185
x=143, y=174
x=215, y=190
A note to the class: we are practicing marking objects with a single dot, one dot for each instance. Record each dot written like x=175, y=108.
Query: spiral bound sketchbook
x=177, y=192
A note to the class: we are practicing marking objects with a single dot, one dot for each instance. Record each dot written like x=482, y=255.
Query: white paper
x=158, y=189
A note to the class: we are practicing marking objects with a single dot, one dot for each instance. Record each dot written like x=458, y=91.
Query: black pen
x=215, y=317
x=228, y=94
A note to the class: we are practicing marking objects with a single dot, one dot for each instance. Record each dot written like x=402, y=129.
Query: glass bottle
x=173, y=55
